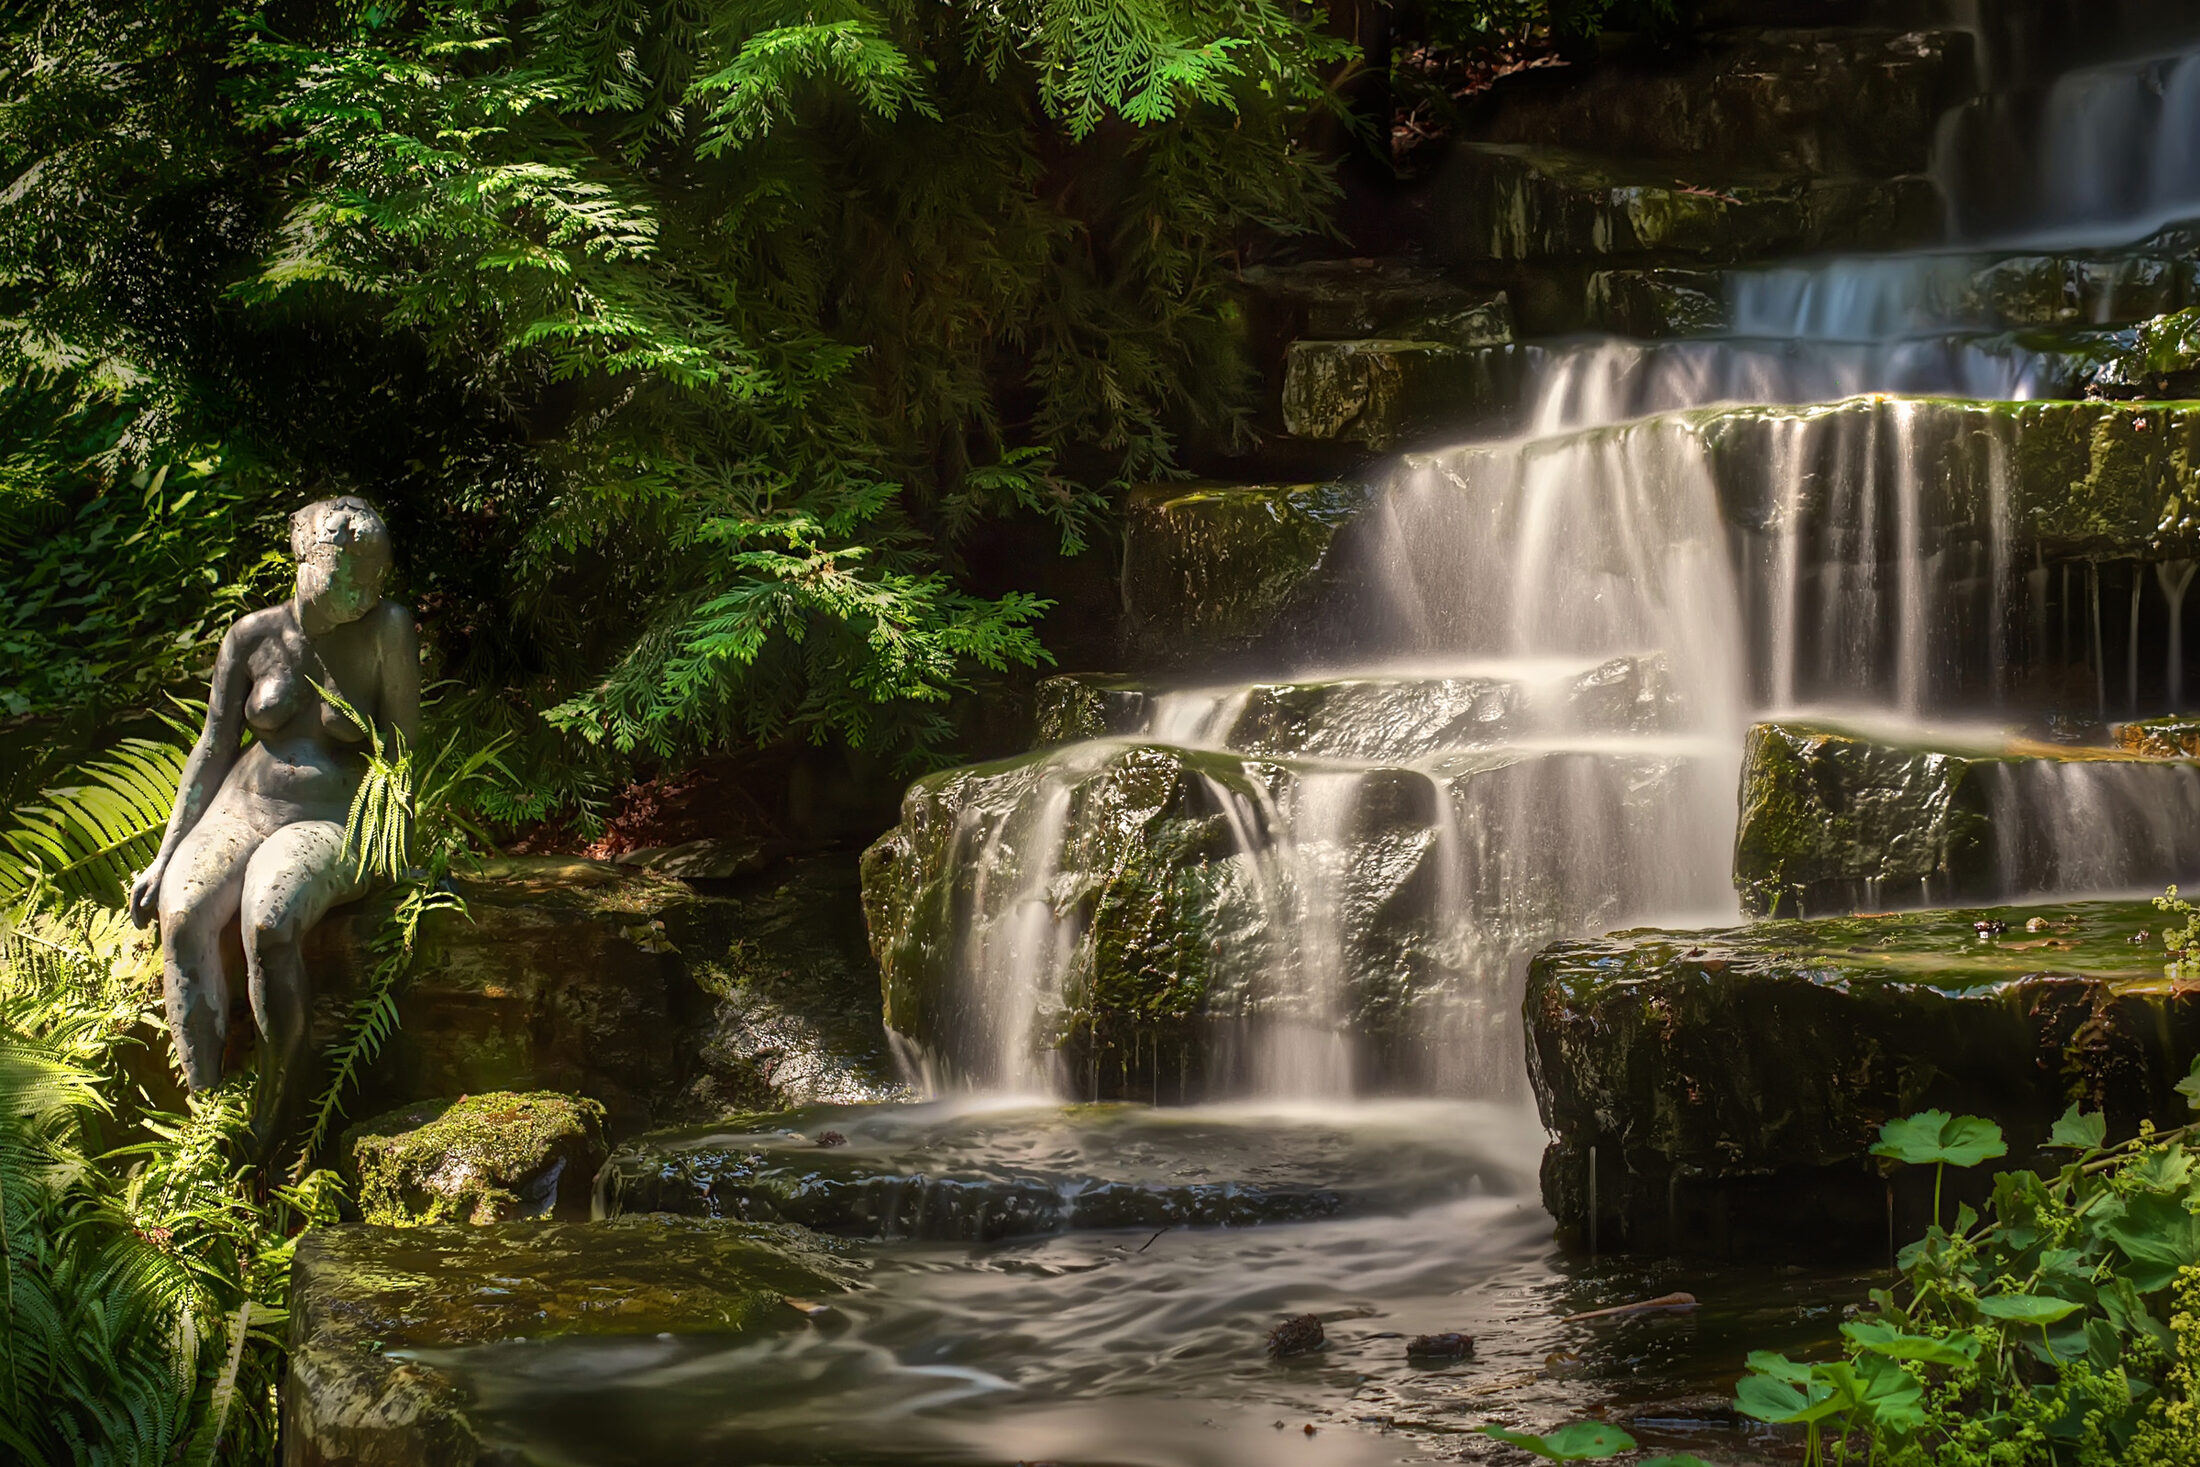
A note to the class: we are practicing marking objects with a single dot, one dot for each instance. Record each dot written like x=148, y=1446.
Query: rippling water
x=1148, y=1347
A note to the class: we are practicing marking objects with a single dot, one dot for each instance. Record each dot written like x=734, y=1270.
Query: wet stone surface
x=365, y=1300
x=478, y=1159
x=1676, y=1056
x=983, y=1173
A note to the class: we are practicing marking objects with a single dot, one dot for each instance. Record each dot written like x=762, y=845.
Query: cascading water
x=1403, y=830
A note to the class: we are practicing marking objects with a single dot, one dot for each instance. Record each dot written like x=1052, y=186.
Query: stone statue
x=258, y=833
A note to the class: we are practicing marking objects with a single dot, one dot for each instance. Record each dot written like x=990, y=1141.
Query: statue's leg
x=198, y=897
x=295, y=877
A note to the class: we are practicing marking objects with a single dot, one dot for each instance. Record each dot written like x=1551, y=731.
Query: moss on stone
x=1212, y=568
x=362, y=1298
x=478, y=1159
x=1076, y=706
x=1675, y=1055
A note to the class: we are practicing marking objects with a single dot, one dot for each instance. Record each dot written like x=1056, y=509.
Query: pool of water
x=1148, y=1345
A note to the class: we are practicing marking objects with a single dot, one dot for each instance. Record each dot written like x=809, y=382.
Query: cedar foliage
x=684, y=342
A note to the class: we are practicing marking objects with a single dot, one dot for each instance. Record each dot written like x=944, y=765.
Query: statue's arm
x=209, y=764
x=399, y=702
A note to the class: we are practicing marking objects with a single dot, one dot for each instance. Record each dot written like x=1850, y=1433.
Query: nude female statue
x=258, y=832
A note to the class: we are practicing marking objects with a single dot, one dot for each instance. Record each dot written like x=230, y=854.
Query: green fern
x=87, y=839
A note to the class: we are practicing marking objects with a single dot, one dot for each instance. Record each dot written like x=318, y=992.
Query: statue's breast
x=274, y=702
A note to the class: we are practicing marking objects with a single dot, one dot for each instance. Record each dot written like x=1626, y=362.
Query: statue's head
x=343, y=553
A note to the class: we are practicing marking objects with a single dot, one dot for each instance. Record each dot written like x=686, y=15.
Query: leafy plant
x=2058, y=1328
x=1583, y=1441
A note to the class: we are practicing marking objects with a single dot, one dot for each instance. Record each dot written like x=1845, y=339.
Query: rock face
x=478, y=1159
x=1676, y=1056
x=1375, y=392
x=363, y=1297
x=1209, y=569
x=1833, y=822
x=1507, y=202
x=1847, y=101
x=631, y=989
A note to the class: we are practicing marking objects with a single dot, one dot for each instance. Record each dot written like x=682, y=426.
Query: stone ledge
x=1674, y=1055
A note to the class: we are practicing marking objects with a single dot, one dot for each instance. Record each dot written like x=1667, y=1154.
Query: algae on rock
x=478, y=1159
x=365, y=1299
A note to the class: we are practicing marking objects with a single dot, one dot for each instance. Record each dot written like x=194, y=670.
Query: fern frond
x=87, y=839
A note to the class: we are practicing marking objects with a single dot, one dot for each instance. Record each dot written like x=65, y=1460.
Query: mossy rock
x=364, y=1298
x=1499, y=202
x=1341, y=300
x=1731, y=1083
x=2176, y=736
x=1210, y=569
x=1834, y=821
x=478, y=1159
x=1658, y=302
x=1083, y=705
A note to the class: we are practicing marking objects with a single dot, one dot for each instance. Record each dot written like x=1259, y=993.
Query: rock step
x=364, y=1300
x=1847, y=101
x=1373, y=717
x=1674, y=1057
x=1497, y=202
x=1834, y=822
x=1213, y=572
x=940, y=1172
x=1928, y=294
x=1152, y=915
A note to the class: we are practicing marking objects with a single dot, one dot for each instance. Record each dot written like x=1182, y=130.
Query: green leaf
x=2076, y=1132
x=1934, y=1136
x=1954, y=1350
x=2026, y=1309
x=2189, y=1087
x=1784, y=1403
x=2157, y=1234
x=1579, y=1441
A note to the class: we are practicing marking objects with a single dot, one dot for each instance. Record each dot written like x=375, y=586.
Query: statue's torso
x=306, y=757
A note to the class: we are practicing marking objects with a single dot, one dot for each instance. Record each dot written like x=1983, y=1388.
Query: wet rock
x=1500, y=202
x=1440, y=1348
x=1826, y=101
x=1832, y=822
x=2070, y=290
x=626, y=987
x=2175, y=737
x=1673, y=1056
x=701, y=860
x=1342, y=300
x=1088, y=706
x=1301, y=1334
x=1657, y=303
x=2158, y=358
x=1144, y=883
x=1213, y=568
x=939, y=1172
x=364, y=1300
x=1375, y=392
x=478, y=1159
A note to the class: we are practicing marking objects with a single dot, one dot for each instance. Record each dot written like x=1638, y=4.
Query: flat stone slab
x=943, y=1172
x=369, y=1306
x=1506, y=202
x=1836, y=821
x=1731, y=1083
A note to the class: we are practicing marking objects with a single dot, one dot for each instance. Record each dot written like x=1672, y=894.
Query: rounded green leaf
x=1934, y=1136
x=1884, y=1339
x=1579, y=1441
x=2027, y=1309
x=2078, y=1132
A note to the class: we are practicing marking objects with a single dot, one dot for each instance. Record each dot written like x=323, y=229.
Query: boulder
x=1504, y=202
x=628, y=988
x=1832, y=821
x=477, y=1159
x=2174, y=737
x=1210, y=569
x=1669, y=1062
x=363, y=1299
x=1136, y=916
x=1380, y=391
x=1657, y=302
x=1083, y=705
